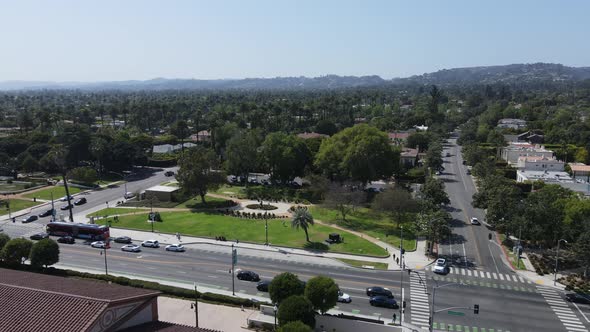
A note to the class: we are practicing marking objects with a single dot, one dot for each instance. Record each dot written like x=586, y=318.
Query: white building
x=512, y=123
x=560, y=178
x=539, y=163
x=514, y=150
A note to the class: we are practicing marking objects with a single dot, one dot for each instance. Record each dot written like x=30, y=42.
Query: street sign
x=234, y=257
x=455, y=313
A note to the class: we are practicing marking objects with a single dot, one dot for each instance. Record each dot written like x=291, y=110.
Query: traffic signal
x=404, y=304
x=403, y=251
x=490, y=236
x=409, y=271
x=476, y=309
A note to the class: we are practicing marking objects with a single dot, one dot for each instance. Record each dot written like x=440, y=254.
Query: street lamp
x=557, y=261
x=266, y=230
x=275, y=308
x=432, y=311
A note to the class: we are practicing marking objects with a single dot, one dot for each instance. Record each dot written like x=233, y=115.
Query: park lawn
x=364, y=221
x=280, y=232
x=355, y=263
x=115, y=211
x=58, y=192
x=195, y=202
x=229, y=190
x=17, y=205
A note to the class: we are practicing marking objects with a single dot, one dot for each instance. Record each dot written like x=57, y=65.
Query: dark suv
x=248, y=275
x=379, y=291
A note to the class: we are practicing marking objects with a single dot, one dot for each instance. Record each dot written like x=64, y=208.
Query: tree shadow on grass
x=316, y=246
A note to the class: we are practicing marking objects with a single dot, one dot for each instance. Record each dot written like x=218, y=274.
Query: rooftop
x=167, y=189
x=579, y=167
x=311, y=135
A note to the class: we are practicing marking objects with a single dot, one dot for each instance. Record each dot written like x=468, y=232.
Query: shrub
x=295, y=326
x=296, y=308
x=83, y=174
x=45, y=253
x=15, y=250
x=3, y=240
x=283, y=286
x=266, y=207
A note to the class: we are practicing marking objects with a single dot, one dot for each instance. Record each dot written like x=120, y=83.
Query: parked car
x=169, y=173
x=29, y=219
x=123, y=239
x=80, y=201
x=131, y=248
x=578, y=298
x=474, y=221
x=66, y=239
x=263, y=285
x=440, y=266
x=39, y=236
x=98, y=244
x=66, y=207
x=343, y=297
x=175, y=247
x=383, y=301
x=128, y=195
x=65, y=198
x=151, y=244
x=379, y=291
x=248, y=275
x=46, y=213
x=448, y=154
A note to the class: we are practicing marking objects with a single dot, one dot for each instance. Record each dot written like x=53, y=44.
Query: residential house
x=201, y=136
x=540, y=163
x=512, y=123
x=409, y=157
x=398, y=137
x=514, y=150
x=307, y=135
x=560, y=178
x=580, y=171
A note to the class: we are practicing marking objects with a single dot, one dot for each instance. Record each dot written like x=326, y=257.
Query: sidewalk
x=531, y=274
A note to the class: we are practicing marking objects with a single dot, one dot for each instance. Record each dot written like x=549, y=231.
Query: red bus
x=79, y=230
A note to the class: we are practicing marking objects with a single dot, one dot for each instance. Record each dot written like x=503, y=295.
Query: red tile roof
x=165, y=327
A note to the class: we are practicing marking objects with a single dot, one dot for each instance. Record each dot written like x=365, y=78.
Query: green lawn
x=228, y=190
x=364, y=221
x=17, y=205
x=114, y=211
x=355, y=263
x=12, y=187
x=279, y=230
x=195, y=203
x=58, y=192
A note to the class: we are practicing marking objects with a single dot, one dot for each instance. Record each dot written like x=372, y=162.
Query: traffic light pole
x=233, y=265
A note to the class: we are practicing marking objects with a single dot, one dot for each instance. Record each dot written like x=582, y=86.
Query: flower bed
x=265, y=207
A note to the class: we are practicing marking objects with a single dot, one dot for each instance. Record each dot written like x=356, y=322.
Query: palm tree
x=302, y=219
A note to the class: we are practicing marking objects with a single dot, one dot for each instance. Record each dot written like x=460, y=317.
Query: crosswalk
x=487, y=275
x=419, y=304
x=562, y=310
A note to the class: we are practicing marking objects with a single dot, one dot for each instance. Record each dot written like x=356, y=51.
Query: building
x=560, y=178
x=580, y=171
x=409, y=157
x=167, y=148
x=311, y=135
x=161, y=193
x=398, y=137
x=514, y=150
x=540, y=163
x=512, y=123
x=40, y=302
x=201, y=136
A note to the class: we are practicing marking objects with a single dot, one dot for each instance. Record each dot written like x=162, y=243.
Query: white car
x=175, y=247
x=98, y=244
x=65, y=198
x=131, y=247
x=343, y=297
x=441, y=266
x=150, y=243
x=474, y=221
x=128, y=195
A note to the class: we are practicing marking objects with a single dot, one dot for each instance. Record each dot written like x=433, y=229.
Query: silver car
x=131, y=248
x=175, y=247
x=98, y=244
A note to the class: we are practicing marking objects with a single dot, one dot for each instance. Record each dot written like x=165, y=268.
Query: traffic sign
x=455, y=313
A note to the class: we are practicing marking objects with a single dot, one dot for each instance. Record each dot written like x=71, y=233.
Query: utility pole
x=234, y=260
x=401, y=260
x=196, y=306
x=106, y=268
x=52, y=209
x=266, y=230
x=557, y=261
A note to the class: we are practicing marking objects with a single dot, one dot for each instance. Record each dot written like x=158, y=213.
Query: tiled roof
x=579, y=167
x=165, y=327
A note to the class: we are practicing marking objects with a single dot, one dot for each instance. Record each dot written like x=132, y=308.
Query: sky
x=112, y=40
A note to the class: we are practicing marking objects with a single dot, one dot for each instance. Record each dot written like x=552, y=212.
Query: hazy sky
x=123, y=39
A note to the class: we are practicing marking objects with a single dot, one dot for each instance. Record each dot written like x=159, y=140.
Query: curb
x=505, y=253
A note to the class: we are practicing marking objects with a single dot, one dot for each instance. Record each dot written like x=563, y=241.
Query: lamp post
x=557, y=261
x=266, y=230
x=432, y=311
x=196, y=306
x=275, y=308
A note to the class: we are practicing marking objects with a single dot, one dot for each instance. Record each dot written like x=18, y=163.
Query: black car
x=379, y=291
x=29, y=219
x=39, y=236
x=383, y=301
x=46, y=213
x=123, y=239
x=169, y=173
x=263, y=286
x=66, y=207
x=248, y=275
x=66, y=239
x=80, y=201
x=578, y=298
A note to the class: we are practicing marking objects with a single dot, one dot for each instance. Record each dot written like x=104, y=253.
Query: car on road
x=379, y=291
x=464, y=162
x=448, y=154
x=578, y=298
x=80, y=201
x=263, y=285
x=175, y=247
x=440, y=266
x=151, y=244
x=248, y=275
x=438, y=173
x=98, y=244
x=131, y=248
x=66, y=239
x=122, y=239
x=46, y=213
x=169, y=173
x=474, y=221
x=65, y=198
x=39, y=236
x=66, y=207
x=128, y=195
x=383, y=301
x=343, y=297
x=29, y=219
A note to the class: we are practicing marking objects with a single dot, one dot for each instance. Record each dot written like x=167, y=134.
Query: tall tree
x=344, y=198
x=302, y=219
x=322, y=292
x=396, y=203
x=242, y=154
x=285, y=156
x=58, y=158
x=197, y=174
x=283, y=286
x=44, y=253
x=433, y=191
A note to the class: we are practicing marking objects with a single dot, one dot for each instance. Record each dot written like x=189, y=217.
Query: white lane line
x=488, y=275
x=567, y=316
x=576, y=329
x=494, y=275
x=573, y=325
x=464, y=255
x=562, y=310
x=583, y=315
x=469, y=273
x=501, y=276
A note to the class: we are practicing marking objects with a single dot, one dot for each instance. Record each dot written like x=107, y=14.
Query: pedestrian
x=394, y=317
x=397, y=260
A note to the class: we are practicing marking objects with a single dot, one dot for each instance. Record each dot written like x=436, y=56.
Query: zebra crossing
x=487, y=275
x=565, y=314
x=419, y=304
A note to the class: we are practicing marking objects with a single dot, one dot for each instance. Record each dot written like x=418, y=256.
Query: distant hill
x=509, y=74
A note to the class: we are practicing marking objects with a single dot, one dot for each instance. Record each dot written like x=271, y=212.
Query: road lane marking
x=583, y=315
